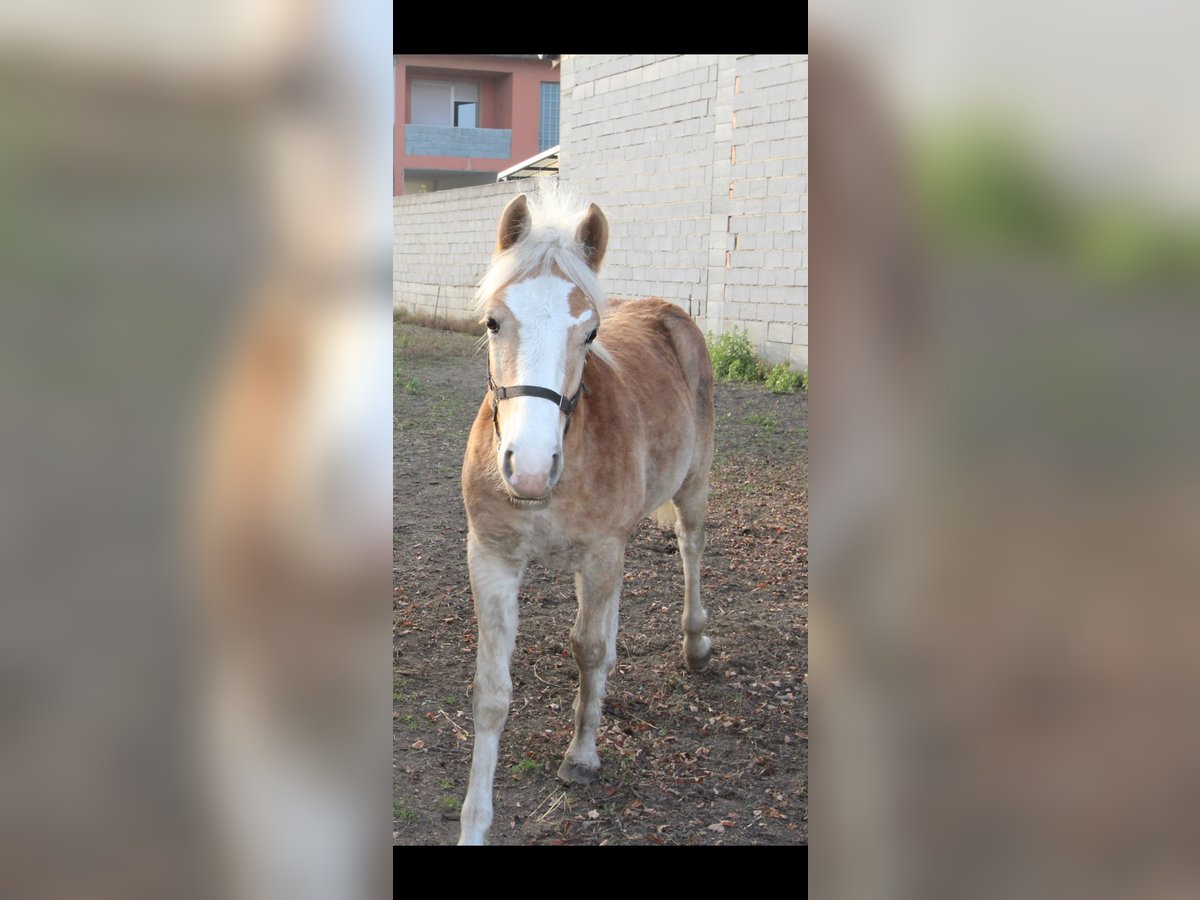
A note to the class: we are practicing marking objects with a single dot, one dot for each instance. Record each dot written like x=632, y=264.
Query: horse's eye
x=591, y=337
x=492, y=325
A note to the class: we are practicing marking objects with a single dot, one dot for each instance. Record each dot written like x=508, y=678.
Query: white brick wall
x=700, y=164
x=653, y=140
x=442, y=243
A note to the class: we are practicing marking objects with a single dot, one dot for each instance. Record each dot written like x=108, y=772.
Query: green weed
x=733, y=357
x=403, y=812
x=767, y=423
x=525, y=766
x=783, y=379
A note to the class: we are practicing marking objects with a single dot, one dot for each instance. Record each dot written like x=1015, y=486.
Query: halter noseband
x=531, y=390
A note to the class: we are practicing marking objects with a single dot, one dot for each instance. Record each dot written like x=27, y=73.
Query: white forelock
x=555, y=213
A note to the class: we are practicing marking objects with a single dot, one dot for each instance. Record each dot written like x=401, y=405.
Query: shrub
x=733, y=357
x=783, y=379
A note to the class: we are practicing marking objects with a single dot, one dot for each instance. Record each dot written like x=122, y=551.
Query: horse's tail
x=665, y=515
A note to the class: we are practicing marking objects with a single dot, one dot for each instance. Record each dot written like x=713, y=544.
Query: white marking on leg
x=494, y=583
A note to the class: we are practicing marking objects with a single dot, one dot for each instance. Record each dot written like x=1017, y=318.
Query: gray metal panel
x=443, y=140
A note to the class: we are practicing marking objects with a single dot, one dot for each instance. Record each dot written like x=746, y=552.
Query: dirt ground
x=715, y=758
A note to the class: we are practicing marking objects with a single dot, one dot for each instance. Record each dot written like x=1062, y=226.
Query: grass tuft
x=733, y=357
x=464, y=324
x=404, y=813
x=783, y=379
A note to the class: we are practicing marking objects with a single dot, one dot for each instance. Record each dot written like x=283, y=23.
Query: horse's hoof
x=577, y=773
x=699, y=662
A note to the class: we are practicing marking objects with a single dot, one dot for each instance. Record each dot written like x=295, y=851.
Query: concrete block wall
x=701, y=165
x=764, y=284
x=443, y=243
x=636, y=134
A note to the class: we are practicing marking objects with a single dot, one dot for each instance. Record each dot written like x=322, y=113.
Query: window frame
x=542, y=115
x=454, y=104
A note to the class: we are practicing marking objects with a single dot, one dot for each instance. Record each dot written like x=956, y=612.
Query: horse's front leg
x=594, y=643
x=494, y=583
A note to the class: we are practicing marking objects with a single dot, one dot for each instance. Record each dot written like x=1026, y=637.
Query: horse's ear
x=593, y=234
x=514, y=223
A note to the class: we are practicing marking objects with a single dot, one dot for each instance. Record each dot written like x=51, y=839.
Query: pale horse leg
x=691, y=506
x=594, y=643
x=494, y=583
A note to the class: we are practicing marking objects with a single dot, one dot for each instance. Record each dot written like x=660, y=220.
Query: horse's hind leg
x=594, y=643
x=495, y=584
x=691, y=506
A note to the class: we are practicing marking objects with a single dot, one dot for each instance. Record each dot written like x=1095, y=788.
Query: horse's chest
x=550, y=541
x=524, y=535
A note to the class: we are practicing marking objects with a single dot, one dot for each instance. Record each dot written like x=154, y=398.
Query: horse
x=597, y=415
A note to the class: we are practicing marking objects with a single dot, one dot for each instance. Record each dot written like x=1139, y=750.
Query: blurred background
x=195, y=503
x=194, y=259
x=1005, y=465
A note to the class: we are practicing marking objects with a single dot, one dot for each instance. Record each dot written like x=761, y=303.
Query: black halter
x=531, y=390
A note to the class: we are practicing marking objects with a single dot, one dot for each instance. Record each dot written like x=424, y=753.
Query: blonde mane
x=555, y=213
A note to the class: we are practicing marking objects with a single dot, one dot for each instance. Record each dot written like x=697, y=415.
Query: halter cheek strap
x=567, y=405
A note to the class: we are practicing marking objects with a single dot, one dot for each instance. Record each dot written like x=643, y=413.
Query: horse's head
x=541, y=304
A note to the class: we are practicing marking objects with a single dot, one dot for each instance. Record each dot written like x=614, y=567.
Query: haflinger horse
x=597, y=415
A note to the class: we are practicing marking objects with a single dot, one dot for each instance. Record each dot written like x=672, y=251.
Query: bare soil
x=719, y=757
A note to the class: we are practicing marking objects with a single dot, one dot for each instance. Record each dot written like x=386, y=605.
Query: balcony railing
x=445, y=140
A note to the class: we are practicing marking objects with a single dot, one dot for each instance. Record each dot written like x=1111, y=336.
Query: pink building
x=462, y=119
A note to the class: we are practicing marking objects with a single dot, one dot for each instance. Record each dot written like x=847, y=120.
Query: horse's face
x=540, y=329
x=538, y=335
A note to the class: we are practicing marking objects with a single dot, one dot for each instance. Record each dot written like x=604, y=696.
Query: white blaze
x=542, y=309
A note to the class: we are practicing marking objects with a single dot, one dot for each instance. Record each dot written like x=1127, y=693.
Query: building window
x=465, y=113
x=548, y=135
x=454, y=103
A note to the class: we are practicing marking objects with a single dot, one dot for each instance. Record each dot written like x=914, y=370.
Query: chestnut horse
x=596, y=416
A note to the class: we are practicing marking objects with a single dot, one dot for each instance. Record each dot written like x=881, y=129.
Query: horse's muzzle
x=530, y=482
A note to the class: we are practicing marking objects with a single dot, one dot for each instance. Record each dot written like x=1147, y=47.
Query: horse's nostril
x=508, y=466
x=555, y=467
